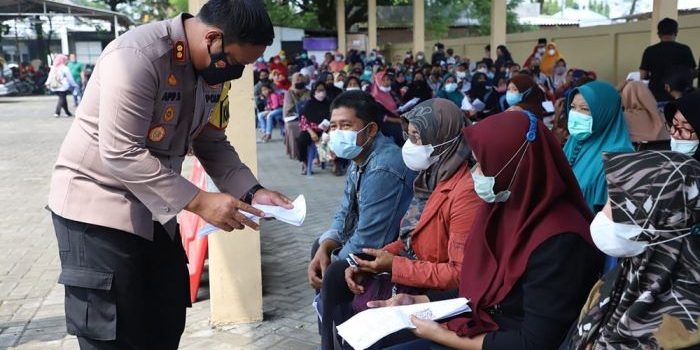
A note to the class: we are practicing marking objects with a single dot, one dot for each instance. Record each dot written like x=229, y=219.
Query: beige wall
x=612, y=51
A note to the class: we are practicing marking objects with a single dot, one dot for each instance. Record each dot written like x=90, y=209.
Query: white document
x=548, y=106
x=290, y=118
x=294, y=216
x=478, y=105
x=634, y=76
x=324, y=124
x=408, y=105
x=371, y=325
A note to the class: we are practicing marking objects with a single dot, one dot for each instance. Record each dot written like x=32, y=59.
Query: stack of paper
x=371, y=325
x=294, y=216
x=408, y=105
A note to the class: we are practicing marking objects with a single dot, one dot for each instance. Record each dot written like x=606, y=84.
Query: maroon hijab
x=532, y=101
x=545, y=201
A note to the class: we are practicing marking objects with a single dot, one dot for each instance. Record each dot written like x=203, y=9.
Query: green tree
x=482, y=12
x=572, y=4
x=550, y=7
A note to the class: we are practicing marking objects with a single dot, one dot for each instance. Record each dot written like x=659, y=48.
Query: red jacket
x=438, y=239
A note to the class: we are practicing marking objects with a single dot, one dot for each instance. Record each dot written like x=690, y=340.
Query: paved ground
x=31, y=303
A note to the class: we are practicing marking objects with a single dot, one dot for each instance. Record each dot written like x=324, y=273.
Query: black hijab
x=316, y=111
x=689, y=105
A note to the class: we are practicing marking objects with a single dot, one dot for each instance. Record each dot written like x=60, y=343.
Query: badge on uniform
x=179, y=51
x=169, y=114
x=156, y=133
x=172, y=81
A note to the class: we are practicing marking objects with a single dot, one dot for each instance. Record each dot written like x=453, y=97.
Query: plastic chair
x=312, y=154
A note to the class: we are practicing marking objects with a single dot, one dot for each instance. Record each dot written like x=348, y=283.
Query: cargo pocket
x=91, y=309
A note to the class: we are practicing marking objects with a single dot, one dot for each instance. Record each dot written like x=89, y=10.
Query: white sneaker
x=56, y=115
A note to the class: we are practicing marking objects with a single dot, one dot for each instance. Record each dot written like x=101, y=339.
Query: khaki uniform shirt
x=143, y=110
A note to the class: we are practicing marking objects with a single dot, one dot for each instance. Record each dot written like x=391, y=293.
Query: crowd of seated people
x=564, y=207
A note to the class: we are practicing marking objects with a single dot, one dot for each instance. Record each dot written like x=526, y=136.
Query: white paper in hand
x=294, y=216
x=324, y=124
x=478, y=105
x=371, y=325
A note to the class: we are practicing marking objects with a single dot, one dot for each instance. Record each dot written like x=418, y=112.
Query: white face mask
x=450, y=87
x=339, y=84
x=552, y=52
x=461, y=75
x=353, y=88
x=617, y=239
x=417, y=158
x=687, y=147
x=482, y=70
x=385, y=88
x=614, y=239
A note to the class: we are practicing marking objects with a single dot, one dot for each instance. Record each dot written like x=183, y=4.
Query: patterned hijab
x=651, y=301
x=609, y=135
x=438, y=121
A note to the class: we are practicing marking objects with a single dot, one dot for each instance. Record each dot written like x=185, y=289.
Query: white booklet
x=294, y=216
x=371, y=325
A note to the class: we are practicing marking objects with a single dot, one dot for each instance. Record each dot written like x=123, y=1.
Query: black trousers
x=62, y=102
x=122, y=291
x=303, y=142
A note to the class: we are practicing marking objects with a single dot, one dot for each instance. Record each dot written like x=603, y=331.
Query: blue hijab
x=609, y=135
x=454, y=96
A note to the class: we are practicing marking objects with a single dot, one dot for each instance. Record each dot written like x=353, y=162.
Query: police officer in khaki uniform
x=155, y=95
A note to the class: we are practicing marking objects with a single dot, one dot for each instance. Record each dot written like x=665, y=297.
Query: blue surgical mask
x=580, y=125
x=344, y=143
x=450, y=87
x=687, y=147
x=513, y=98
x=483, y=185
x=490, y=76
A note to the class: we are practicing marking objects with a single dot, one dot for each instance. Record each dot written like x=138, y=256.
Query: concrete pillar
x=419, y=27
x=662, y=9
x=340, y=23
x=372, y=23
x=235, y=277
x=498, y=25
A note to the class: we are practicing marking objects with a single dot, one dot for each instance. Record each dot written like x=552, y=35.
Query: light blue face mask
x=450, y=87
x=344, y=143
x=513, y=98
x=687, y=147
x=483, y=185
x=580, y=125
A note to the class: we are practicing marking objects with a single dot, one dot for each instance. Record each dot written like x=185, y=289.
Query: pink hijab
x=386, y=99
x=59, y=60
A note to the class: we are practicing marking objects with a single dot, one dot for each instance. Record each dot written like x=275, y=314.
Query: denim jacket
x=370, y=217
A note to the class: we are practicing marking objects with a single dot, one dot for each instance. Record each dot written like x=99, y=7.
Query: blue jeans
x=266, y=120
x=77, y=93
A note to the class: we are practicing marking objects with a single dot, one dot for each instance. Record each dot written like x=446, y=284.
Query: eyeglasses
x=413, y=138
x=681, y=133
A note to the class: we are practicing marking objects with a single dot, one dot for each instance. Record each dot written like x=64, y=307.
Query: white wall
x=282, y=34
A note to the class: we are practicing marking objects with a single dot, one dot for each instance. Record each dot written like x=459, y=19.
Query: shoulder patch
x=169, y=114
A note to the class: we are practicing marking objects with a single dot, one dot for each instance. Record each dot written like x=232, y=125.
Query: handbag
x=380, y=287
x=54, y=82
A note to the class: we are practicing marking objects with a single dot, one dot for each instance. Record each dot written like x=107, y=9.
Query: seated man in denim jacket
x=378, y=189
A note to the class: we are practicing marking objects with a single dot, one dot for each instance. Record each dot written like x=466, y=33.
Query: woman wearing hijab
x=327, y=79
x=418, y=88
x=643, y=119
x=596, y=124
x=529, y=258
x=389, y=103
x=559, y=74
x=549, y=59
x=60, y=81
x=651, y=300
x=314, y=112
x=683, y=118
x=524, y=94
x=428, y=253
x=449, y=89
x=503, y=58
x=296, y=96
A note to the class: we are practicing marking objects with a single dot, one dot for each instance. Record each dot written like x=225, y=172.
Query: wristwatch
x=248, y=197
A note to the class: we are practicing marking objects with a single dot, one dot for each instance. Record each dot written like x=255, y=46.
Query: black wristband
x=248, y=198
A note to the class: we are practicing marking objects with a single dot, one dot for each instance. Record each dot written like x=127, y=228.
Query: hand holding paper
x=294, y=216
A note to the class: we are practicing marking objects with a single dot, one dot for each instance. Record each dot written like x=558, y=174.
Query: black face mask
x=299, y=86
x=219, y=69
